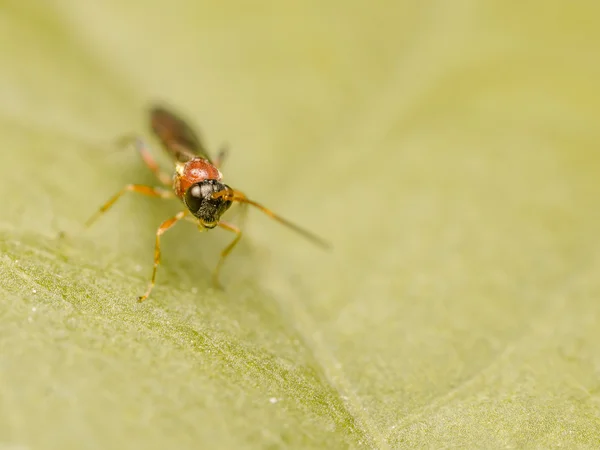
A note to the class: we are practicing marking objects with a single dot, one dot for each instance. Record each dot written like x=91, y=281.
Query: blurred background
x=448, y=150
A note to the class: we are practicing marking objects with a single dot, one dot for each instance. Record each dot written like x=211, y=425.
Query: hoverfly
x=196, y=182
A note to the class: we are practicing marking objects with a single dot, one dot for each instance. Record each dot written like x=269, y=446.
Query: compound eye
x=194, y=197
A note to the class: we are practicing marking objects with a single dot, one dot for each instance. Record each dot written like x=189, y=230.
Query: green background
x=448, y=150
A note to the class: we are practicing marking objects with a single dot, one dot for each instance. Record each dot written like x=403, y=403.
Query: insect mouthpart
x=201, y=203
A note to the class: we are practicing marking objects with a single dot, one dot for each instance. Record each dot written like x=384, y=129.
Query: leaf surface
x=449, y=151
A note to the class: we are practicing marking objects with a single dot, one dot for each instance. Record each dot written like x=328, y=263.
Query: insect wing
x=176, y=136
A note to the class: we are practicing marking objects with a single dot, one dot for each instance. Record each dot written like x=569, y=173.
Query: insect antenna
x=237, y=196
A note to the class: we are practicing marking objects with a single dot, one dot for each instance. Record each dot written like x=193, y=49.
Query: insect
x=196, y=182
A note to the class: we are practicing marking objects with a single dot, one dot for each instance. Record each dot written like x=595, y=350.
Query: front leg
x=238, y=235
x=166, y=225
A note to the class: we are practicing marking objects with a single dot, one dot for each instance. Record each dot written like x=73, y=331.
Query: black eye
x=194, y=197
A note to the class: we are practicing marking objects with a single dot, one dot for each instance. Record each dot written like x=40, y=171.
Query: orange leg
x=167, y=224
x=139, y=188
x=144, y=152
x=226, y=250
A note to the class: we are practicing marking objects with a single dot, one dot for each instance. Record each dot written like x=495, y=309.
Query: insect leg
x=139, y=188
x=143, y=150
x=226, y=250
x=159, y=232
x=221, y=156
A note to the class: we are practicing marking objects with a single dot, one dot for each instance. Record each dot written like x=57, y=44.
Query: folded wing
x=177, y=138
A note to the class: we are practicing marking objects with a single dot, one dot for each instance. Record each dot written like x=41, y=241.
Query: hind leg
x=144, y=151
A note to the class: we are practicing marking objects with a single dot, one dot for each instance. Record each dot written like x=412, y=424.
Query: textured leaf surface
x=449, y=150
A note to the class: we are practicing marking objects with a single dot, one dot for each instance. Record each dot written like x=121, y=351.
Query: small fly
x=197, y=182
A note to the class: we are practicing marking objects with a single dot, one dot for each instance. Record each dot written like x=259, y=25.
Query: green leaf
x=448, y=150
